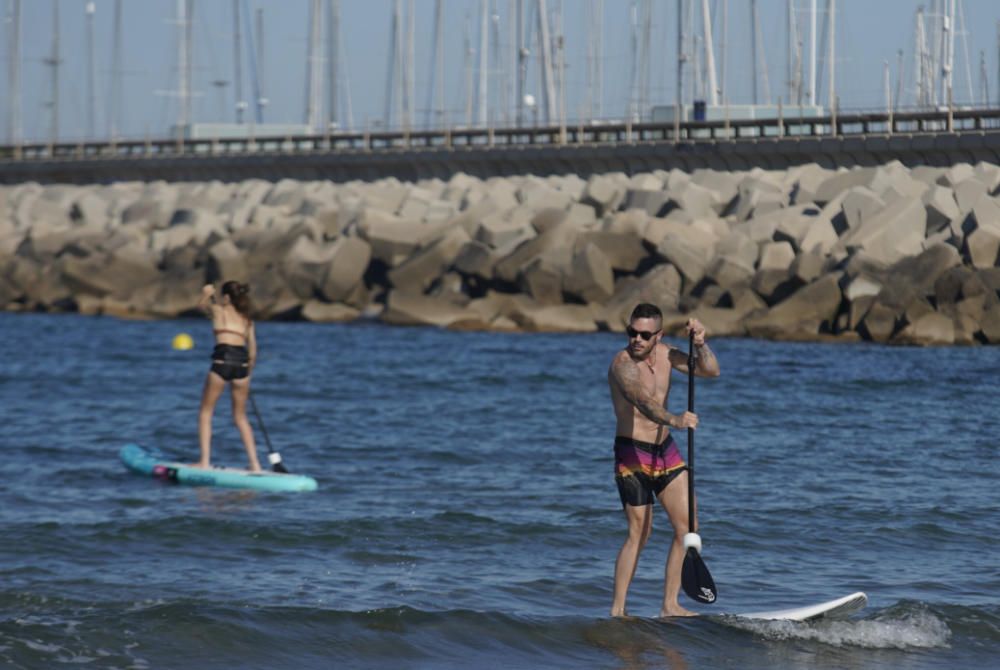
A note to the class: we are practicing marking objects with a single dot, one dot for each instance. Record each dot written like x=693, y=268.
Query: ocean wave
x=905, y=626
x=37, y=629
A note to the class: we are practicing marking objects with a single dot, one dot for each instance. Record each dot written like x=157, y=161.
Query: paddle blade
x=696, y=579
x=275, y=458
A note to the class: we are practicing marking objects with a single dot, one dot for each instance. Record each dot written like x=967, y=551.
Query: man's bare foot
x=199, y=464
x=254, y=467
x=676, y=611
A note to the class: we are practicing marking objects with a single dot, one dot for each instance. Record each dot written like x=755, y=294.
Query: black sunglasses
x=645, y=334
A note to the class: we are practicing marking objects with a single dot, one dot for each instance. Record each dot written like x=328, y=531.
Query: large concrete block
x=984, y=214
x=476, y=259
x=470, y=217
x=458, y=185
x=145, y=212
x=915, y=277
x=590, y=275
x=546, y=218
x=723, y=185
x=174, y=237
x=392, y=240
x=729, y=272
x=653, y=203
x=349, y=259
x=859, y=204
x=927, y=174
x=806, y=182
x=990, y=325
x=956, y=174
x=794, y=224
x=106, y=274
x=839, y=182
x=688, y=249
x=720, y=321
x=948, y=287
x=738, y=245
x=543, y=281
x=812, y=307
x=415, y=204
x=931, y=329
x=758, y=196
x=492, y=306
x=537, y=194
x=226, y=262
x=562, y=236
x=968, y=192
x=893, y=233
x=773, y=286
x=989, y=174
x=440, y=212
x=862, y=286
x=604, y=193
x=696, y=201
x=776, y=256
x=820, y=237
x=941, y=208
x=572, y=184
x=286, y=194
x=555, y=318
x=422, y=269
x=405, y=308
x=982, y=247
x=625, y=252
x=326, y=312
x=660, y=286
x=92, y=208
x=631, y=222
x=646, y=181
x=496, y=231
x=502, y=192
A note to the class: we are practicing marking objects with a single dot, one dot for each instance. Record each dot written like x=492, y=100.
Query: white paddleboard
x=832, y=609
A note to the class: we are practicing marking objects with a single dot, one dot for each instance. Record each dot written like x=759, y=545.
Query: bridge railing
x=788, y=125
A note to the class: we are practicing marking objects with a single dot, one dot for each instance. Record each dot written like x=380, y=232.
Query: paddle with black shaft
x=695, y=578
x=272, y=456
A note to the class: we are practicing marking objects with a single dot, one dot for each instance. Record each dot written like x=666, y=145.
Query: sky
x=869, y=34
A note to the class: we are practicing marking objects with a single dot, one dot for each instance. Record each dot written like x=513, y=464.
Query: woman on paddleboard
x=232, y=362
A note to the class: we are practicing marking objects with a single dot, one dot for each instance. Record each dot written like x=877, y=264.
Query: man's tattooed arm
x=706, y=364
x=626, y=377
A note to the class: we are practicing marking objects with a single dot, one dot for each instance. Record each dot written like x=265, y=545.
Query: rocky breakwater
x=887, y=253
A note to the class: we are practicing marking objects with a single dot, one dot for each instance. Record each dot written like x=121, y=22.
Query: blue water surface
x=467, y=513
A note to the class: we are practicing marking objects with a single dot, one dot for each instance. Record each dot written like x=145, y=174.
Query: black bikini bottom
x=230, y=361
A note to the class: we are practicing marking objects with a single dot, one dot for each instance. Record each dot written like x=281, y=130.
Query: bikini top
x=245, y=334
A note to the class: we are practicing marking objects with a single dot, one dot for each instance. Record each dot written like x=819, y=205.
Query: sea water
x=467, y=514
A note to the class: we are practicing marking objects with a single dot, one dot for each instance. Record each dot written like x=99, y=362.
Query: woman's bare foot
x=200, y=464
x=676, y=611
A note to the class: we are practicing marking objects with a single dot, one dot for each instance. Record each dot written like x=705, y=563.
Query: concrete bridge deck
x=935, y=138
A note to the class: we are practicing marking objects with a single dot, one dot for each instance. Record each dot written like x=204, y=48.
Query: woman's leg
x=214, y=386
x=241, y=391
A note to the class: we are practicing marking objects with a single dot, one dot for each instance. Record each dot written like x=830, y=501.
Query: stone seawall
x=888, y=253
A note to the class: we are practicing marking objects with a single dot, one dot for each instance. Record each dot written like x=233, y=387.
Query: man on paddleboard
x=648, y=465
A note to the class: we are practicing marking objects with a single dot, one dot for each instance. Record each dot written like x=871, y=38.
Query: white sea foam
x=909, y=630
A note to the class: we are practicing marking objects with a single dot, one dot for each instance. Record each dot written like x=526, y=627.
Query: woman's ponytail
x=239, y=296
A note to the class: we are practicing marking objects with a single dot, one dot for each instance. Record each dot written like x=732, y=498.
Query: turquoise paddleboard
x=153, y=463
